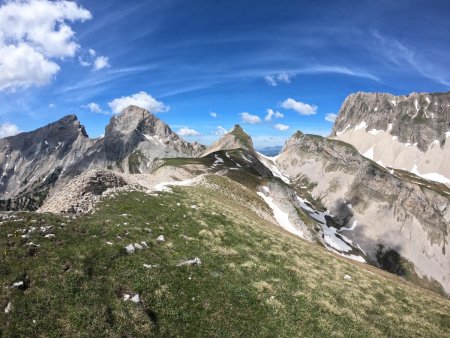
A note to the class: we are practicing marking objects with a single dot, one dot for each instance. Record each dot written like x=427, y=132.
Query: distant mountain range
x=357, y=193
x=271, y=151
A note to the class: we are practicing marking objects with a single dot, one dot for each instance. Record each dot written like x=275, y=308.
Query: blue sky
x=188, y=59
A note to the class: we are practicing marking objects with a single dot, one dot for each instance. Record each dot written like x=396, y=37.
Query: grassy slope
x=256, y=280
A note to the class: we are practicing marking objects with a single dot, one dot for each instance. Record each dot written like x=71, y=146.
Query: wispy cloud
x=273, y=114
x=331, y=117
x=186, y=131
x=401, y=55
x=95, y=108
x=274, y=79
x=219, y=131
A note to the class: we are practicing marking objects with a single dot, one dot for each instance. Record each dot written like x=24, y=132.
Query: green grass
x=255, y=281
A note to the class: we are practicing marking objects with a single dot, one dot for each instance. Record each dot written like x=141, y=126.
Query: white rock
x=192, y=262
x=126, y=297
x=138, y=246
x=136, y=298
x=130, y=249
x=194, y=206
x=109, y=243
x=8, y=308
x=50, y=236
x=347, y=277
x=161, y=238
x=144, y=244
x=17, y=284
x=150, y=266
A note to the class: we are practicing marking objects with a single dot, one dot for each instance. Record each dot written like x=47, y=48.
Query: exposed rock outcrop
x=404, y=213
x=81, y=193
x=34, y=163
x=405, y=132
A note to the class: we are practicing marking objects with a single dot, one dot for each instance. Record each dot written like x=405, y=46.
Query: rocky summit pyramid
x=235, y=139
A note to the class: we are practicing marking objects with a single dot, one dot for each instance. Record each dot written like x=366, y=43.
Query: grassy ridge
x=255, y=280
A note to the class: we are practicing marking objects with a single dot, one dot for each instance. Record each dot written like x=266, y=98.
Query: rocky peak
x=134, y=118
x=237, y=138
x=420, y=118
x=64, y=131
x=333, y=150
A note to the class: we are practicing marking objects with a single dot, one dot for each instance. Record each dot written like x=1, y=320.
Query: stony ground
x=198, y=264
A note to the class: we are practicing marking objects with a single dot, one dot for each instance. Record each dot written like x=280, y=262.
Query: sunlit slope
x=254, y=279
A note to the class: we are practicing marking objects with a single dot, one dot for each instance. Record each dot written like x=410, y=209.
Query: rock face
x=383, y=211
x=136, y=131
x=33, y=163
x=236, y=138
x=81, y=193
x=404, y=132
x=31, y=159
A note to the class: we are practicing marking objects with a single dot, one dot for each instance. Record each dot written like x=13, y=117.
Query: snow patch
x=431, y=176
x=375, y=131
x=280, y=216
x=362, y=125
x=339, y=133
x=164, y=186
x=369, y=153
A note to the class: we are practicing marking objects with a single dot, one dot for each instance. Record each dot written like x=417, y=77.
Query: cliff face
x=404, y=132
x=381, y=210
x=417, y=118
x=135, y=129
x=33, y=163
x=31, y=158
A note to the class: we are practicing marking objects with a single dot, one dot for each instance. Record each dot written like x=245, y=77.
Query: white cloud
x=220, y=131
x=101, y=62
x=90, y=58
x=284, y=77
x=22, y=66
x=281, y=127
x=185, y=131
x=213, y=114
x=51, y=105
x=93, y=107
x=251, y=119
x=273, y=80
x=271, y=114
x=331, y=117
x=8, y=129
x=299, y=107
x=33, y=33
x=141, y=99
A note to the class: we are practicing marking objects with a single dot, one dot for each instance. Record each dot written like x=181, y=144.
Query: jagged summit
x=405, y=132
x=417, y=118
x=235, y=139
x=61, y=150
